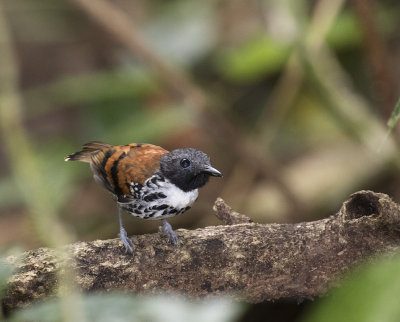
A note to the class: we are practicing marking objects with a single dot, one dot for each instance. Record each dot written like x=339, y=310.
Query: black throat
x=195, y=182
x=188, y=184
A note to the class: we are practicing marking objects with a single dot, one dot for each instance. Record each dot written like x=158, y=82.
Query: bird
x=148, y=181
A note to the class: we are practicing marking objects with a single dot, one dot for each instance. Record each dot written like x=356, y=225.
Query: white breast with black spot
x=176, y=197
x=158, y=198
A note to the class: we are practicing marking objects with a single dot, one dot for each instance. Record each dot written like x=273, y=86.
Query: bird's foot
x=167, y=229
x=126, y=241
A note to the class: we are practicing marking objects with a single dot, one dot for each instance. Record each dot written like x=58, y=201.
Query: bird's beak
x=212, y=171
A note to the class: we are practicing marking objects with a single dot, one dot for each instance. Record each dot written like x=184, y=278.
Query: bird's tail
x=86, y=154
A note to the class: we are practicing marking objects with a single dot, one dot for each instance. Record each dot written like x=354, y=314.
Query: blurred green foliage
x=264, y=55
x=347, y=32
x=101, y=89
x=370, y=294
x=253, y=60
x=394, y=118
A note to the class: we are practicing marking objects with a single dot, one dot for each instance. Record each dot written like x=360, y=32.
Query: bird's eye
x=185, y=163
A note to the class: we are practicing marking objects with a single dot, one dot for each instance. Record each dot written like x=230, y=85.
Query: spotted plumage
x=146, y=180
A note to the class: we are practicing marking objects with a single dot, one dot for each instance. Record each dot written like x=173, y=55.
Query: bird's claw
x=167, y=229
x=126, y=241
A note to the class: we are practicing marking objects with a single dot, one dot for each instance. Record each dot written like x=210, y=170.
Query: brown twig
x=227, y=215
x=251, y=262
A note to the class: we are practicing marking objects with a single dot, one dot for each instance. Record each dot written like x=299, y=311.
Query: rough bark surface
x=252, y=262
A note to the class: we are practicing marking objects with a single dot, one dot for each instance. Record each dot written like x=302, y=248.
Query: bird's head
x=187, y=168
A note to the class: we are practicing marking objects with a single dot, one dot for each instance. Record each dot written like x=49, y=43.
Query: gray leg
x=167, y=229
x=123, y=235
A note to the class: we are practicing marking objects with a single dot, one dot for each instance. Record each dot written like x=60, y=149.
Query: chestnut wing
x=116, y=167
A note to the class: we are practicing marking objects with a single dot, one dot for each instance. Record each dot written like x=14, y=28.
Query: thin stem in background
x=384, y=83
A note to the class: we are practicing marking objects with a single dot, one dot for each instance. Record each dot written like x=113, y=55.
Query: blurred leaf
x=394, y=117
x=124, y=307
x=347, y=31
x=253, y=60
x=370, y=294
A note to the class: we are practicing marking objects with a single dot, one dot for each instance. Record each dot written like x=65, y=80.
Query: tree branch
x=252, y=262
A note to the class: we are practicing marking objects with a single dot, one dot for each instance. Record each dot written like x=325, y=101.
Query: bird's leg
x=167, y=229
x=123, y=235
